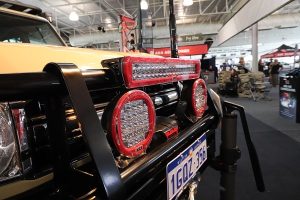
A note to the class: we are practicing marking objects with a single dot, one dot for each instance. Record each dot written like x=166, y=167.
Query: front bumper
x=148, y=174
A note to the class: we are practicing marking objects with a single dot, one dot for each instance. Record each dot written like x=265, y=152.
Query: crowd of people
x=270, y=69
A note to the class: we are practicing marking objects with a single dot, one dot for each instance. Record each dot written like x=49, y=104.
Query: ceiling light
x=187, y=2
x=107, y=20
x=144, y=5
x=73, y=16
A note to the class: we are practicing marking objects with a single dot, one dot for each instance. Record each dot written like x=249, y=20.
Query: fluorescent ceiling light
x=73, y=16
x=187, y=2
x=144, y=5
x=108, y=20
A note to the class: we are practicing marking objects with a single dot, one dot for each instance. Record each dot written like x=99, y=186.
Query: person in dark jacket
x=274, y=71
x=261, y=66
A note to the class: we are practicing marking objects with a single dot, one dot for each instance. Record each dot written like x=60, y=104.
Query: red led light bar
x=158, y=70
x=116, y=129
x=199, y=111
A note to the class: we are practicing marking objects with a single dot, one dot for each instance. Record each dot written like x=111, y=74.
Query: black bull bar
x=58, y=79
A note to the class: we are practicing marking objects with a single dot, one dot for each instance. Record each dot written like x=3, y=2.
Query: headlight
x=199, y=97
x=9, y=165
x=133, y=123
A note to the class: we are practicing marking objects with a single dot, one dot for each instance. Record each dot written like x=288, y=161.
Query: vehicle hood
x=22, y=58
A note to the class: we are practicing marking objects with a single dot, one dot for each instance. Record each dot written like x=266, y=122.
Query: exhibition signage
x=280, y=54
x=182, y=50
x=191, y=38
x=289, y=97
x=282, y=51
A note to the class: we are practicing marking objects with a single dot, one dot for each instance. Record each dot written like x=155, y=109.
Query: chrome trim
x=158, y=101
x=172, y=96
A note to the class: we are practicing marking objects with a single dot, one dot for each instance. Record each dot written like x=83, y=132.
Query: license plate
x=184, y=167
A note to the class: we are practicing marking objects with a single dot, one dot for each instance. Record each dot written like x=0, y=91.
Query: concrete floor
x=277, y=144
x=267, y=111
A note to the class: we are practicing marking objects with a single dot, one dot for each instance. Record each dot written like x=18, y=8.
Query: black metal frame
x=229, y=108
x=226, y=162
x=91, y=128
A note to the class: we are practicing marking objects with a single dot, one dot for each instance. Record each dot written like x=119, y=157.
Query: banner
x=182, y=50
x=280, y=54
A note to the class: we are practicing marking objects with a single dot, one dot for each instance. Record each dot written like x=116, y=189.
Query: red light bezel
x=116, y=123
x=130, y=83
x=198, y=112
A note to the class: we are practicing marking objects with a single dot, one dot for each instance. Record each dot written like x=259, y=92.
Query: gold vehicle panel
x=21, y=58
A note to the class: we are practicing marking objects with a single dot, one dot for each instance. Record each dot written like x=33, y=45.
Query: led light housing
x=133, y=123
x=9, y=164
x=139, y=72
x=199, y=97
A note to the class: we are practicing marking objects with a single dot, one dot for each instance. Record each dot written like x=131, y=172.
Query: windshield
x=16, y=29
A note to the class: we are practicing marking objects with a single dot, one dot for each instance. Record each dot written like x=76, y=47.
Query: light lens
x=142, y=71
x=187, y=2
x=144, y=5
x=133, y=123
x=73, y=16
x=139, y=71
x=9, y=166
x=199, y=97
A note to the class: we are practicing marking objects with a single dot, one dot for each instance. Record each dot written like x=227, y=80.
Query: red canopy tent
x=282, y=51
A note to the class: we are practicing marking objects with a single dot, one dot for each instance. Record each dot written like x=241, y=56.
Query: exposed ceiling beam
x=77, y=3
x=235, y=7
x=122, y=8
x=157, y=10
x=165, y=8
x=209, y=5
x=62, y=12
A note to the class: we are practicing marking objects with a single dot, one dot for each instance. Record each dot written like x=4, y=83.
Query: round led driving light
x=133, y=123
x=199, y=97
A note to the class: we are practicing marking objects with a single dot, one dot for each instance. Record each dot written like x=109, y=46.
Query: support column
x=254, y=47
x=140, y=23
x=173, y=34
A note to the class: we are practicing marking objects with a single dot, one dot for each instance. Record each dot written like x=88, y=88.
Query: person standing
x=215, y=70
x=267, y=68
x=242, y=65
x=260, y=66
x=274, y=71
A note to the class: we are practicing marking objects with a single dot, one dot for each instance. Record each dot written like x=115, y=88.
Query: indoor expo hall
x=150, y=99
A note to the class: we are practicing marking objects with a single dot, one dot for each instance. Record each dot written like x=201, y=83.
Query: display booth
x=289, y=91
x=282, y=51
